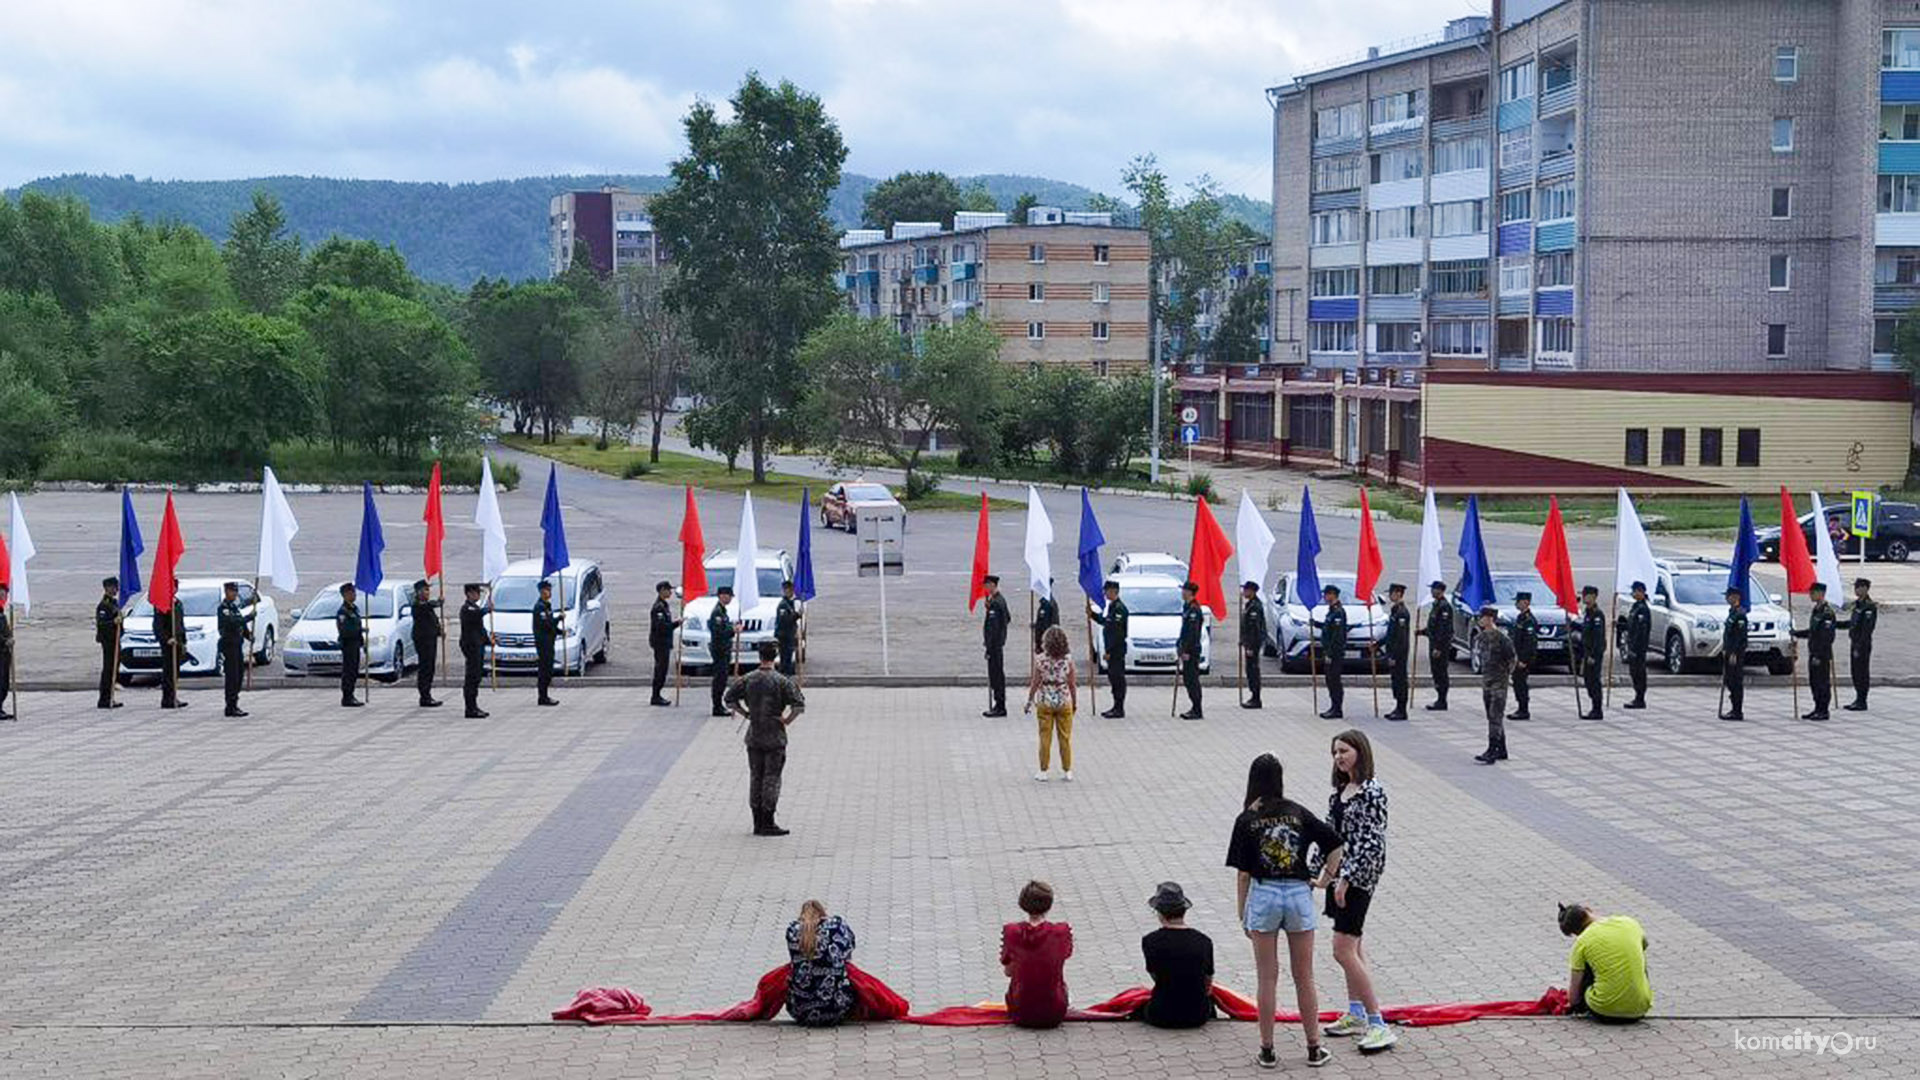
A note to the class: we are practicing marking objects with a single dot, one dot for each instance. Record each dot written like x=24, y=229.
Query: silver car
x=1295, y=628
x=313, y=641
x=1506, y=585
x=1688, y=604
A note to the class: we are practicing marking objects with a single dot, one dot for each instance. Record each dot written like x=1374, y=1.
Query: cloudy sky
x=486, y=89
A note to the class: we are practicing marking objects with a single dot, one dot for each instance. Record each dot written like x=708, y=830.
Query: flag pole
x=1313, y=662
x=13, y=662
x=1030, y=614
x=679, y=636
x=1413, y=651
x=1576, y=670
x=493, y=646
x=113, y=683
x=1239, y=656
x=1373, y=655
x=256, y=611
x=366, y=661
x=1093, y=669
x=1795, y=654
x=800, y=671
x=442, y=575
x=563, y=636
x=1612, y=654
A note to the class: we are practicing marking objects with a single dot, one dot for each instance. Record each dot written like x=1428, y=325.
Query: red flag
x=977, y=590
x=693, y=553
x=1793, y=548
x=166, y=559
x=1553, y=562
x=1207, y=558
x=436, y=525
x=6, y=564
x=1370, y=561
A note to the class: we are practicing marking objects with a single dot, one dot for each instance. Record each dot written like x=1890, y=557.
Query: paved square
x=314, y=893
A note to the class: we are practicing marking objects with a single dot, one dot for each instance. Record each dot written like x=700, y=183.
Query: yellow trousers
x=1055, y=719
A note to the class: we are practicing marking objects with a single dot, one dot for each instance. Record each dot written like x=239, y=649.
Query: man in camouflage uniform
x=1494, y=651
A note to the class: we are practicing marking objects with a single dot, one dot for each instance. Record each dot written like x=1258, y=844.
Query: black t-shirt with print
x=1181, y=963
x=1271, y=842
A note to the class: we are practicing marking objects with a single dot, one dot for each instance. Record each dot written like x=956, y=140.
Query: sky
x=494, y=89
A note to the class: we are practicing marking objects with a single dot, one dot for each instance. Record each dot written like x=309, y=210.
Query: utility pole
x=1153, y=332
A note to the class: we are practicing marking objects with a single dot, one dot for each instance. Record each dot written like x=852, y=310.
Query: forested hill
x=457, y=233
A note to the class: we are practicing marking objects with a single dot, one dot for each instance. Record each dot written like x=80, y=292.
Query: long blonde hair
x=812, y=914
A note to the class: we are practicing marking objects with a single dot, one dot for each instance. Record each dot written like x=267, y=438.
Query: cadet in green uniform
x=1733, y=656
x=6, y=651
x=1192, y=624
x=352, y=632
x=1593, y=647
x=1859, y=625
x=720, y=646
x=993, y=632
x=1046, y=615
x=1253, y=639
x=660, y=627
x=1113, y=634
x=1639, y=636
x=1439, y=634
x=768, y=702
x=106, y=633
x=1333, y=650
x=1496, y=656
x=1398, y=645
x=474, y=640
x=1819, y=633
x=170, y=631
x=546, y=632
x=235, y=628
x=1526, y=648
x=786, y=627
x=427, y=633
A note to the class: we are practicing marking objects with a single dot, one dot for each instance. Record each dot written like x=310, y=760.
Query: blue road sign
x=1189, y=434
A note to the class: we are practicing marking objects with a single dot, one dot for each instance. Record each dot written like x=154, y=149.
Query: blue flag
x=131, y=548
x=366, y=572
x=1476, y=578
x=1306, y=572
x=553, y=549
x=803, y=570
x=1746, y=551
x=1091, y=538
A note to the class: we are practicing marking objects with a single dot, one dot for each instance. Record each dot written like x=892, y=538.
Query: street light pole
x=1153, y=332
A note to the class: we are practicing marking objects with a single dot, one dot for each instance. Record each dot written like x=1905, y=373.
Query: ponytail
x=811, y=914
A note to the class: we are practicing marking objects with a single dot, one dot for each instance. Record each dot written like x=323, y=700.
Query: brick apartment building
x=613, y=222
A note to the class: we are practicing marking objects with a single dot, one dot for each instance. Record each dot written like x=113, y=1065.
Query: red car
x=840, y=506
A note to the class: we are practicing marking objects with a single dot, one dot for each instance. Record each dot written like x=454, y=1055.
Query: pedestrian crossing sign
x=1861, y=523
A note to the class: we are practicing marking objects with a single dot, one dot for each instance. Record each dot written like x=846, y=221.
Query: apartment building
x=613, y=222
x=1064, y=288
x=1714, y=202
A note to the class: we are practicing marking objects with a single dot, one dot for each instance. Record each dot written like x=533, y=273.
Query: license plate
x=145, y=654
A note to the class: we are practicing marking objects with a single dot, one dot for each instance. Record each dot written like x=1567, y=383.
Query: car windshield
x=1345, y=582
x=192, y=601
x=1700, y=588
x=519, y=593
x=868, y=493
x=1151, y=599
x=1504, y=588
x=768, y=578
x=327, y=604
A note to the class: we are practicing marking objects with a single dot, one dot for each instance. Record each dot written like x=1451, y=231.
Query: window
x=1885, y=331
x=1338, y=122
x=1782, y=202
x=1900, y=50
x=1400, y=164
x=1400, y=223
x=1710, y=446
x=1516, y=274
x=1900, y=123
x=1516, y=82
x=1036, y=253
x=1394, y=337
x=1398, y=110
x=1556, y=336
x=1337, y=337
x=1394, y=280
x=1310, y=421
x=1900, y=194
x=1463, y=277
x=1776, y=340
x=1517, y=205
x=1896, y=266
x=1336, y=227
x=1779, y=272
x=1782, y=134
x=1673, y=446
x=1102, y=254
x=1557, y=201
x=1099, y=368
x=1460, y=218
x=1098, y=292
x=1458, y=337
x=1338, y=173
x=1252, y=417
x=1556, y=270
x=1636, y=446
x=1410, y=431
x=1786, y=64
x=1516, y=148
x=1456, y=155
x=1036, y=331
x=1342, y=282
x=1099, y=331
x=1746, y=454
x=1036, y=291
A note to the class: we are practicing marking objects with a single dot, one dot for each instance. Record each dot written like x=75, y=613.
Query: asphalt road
x=630, y=528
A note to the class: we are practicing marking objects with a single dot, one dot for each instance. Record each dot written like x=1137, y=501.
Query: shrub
x=920, y=484
x=1200, y=486
x=635, y=468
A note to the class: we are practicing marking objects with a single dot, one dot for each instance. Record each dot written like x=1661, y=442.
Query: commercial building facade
x=613, y=223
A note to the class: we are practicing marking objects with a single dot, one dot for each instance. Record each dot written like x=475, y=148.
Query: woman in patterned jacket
x=1357, y=810
x=819, y=992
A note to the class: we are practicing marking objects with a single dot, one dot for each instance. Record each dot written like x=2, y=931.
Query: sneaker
x=1265, y=1058
x=1067, y=775
x=1379, y=1037
x=1318, y=1056
x=1348, y=1024
x=1041, y=776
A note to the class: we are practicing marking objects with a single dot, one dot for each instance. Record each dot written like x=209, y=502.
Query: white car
x=579, y=595
x=313, y=642
x=771, y=569
x=1688, y=605
x=1288, y=622
x=1153, y=624
x=1149, y=562
x=140, y=654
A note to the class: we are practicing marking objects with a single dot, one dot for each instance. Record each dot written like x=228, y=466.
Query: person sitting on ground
x=819, y=993
x=1180, y=959
x=1608, y=968
x=1033, y=953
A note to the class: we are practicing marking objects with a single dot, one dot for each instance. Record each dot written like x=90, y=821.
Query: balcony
x=1556, y=165
x=928, y=274
x=1450, y=127
x=1890, y=297
x=965, y=271
x=1560, y=98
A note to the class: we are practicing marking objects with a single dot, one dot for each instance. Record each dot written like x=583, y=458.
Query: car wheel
x=265, y=655
x=1779, y=665
x=398, y=661
x=606, y=642
x=1897, y=551
x=824, y=523
x=123, y=680
x=1676, y=653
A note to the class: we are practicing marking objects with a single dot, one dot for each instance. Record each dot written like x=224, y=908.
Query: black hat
x=420, y=584
x=990, y=579
x=1396, y=587
x=1590, y=590
x=1188, y=586
x=1436, y=585
x=1333, y=589
x=1523, y=594
x=1862, y=583
x=787, y=584
x=1111, y=584
x=234, y=585
x=724, y=590
x=1168, y=898
x=346, y=587
x=1818, y=586
x=473, y=586
x=1639, y=586
x=1254, y=585
x=1489, y=609
x=1734, y=590
x=109, y=582
x=658, y=585
x=546, y=585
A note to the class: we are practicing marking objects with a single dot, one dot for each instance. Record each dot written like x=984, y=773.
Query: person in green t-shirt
x=1608, y=967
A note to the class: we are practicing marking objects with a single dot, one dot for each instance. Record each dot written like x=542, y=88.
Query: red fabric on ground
x=873, y=1000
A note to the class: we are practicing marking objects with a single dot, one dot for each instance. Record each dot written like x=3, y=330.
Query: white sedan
x=771, y=569
x=140, y=654
x=1149, y=562
x=1153, y=624
x=313, y=643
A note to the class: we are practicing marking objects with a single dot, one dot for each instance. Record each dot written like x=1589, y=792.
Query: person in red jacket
x=1033, y=953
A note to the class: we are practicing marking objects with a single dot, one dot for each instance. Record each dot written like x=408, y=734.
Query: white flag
x=1826, y=565
x=1252, y=542
x=277, y=530
x=493, y=542
x=1429, y=546
x=746, y=575
x=1633, y=558
x=19, y=550
x=1039, y=535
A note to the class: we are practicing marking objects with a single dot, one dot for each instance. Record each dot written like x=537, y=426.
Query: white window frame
x=1333, y=277
x=1516, y=275
x=1397, y=111
x=1399, y=273
x=1406, y=222
x=1036, y=253
x=1894, y=57
x=1036, y=331
x=1786, y=63
x=1463, y=218
x=1551, y=196
x=1560, y=263
x=1102, y=254
x=1516, y=82
x=1786, y=341
x=1783, y=125
x=1779, y=273
x=1900, y=122
x=1398, y=163
x=1561, y=325
x=1407, y=333
x=1463, y=154
x=1516, y=147
x=1524, y=196
x=1458, y=337
x=1897, y=194
x=1098, y=292
x=1327, y=337
x=1323, y=234
x=1346, y=172
x=1345, y=121
x=1036, y=291
x=1889, y=262
x=1100, y=331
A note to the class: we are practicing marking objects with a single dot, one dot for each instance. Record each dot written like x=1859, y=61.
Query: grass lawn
x=707, y=475
x=121, y=458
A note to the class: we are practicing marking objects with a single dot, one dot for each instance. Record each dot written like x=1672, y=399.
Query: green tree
x=224, y=384
x=1017, y=213
x=977, y=197
x=911, y=196
x=525, y=339
x=397, y=379
x=53, y=245
x=32, y=419
x=746, y=222
x=1906, y=340
x=264, y=263
x=1237, y=339
x=654, y=353
x=360, y=264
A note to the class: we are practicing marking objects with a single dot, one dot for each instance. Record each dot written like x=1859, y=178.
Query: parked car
x=1552, y=635
x=579, y=595
x=1295, y=628
x=1153, y=624
x=1688, y=604
x=1149, y=562
x=771, y=570
x=1896, y=532
x=140, y=654
x=840, y=506
x=313, y=643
